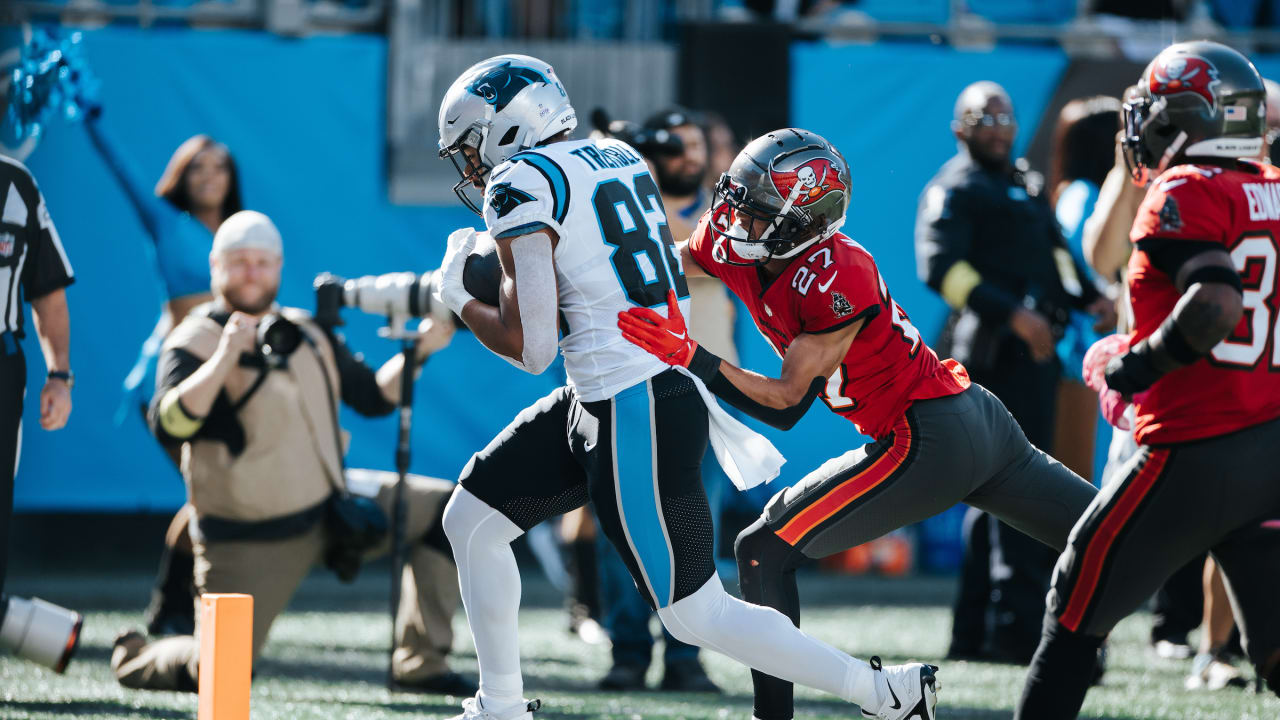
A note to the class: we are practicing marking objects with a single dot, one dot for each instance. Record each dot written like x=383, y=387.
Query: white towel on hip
x=746, y=456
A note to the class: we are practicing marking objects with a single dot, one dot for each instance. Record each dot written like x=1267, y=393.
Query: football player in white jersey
x=580, y=230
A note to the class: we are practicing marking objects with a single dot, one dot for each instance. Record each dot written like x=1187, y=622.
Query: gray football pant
x=961, y=448
x=1169, y=505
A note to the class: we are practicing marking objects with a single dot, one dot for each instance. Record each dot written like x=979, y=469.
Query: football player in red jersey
x=1202, y=366
x=816, y=295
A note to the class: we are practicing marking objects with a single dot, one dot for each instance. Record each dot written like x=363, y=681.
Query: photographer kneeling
x=256, y=414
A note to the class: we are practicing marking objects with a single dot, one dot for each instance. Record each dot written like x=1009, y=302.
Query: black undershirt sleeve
x=706, y=366
x=1168, y=256
x=360, y=388
x=174, y=366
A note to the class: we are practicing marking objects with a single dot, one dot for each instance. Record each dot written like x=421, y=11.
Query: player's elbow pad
x=707, y=367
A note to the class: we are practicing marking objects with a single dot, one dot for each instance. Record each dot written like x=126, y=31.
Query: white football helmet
x=499, y=107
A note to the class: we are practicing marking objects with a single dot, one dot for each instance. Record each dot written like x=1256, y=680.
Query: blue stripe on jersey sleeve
x=524, y=229
x=556, y=179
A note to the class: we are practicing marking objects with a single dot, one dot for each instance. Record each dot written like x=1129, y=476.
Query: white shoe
x=472, y=709
x=909, y=691
x=1210, y=673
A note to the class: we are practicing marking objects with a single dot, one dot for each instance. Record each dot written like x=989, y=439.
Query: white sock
x=713, y=619
x=490, y=583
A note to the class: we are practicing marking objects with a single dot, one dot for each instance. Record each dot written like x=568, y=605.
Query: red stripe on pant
x=1095, y=553
x=855, y=487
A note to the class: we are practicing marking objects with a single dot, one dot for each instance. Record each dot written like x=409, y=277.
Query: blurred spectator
x=988, y=243
x=263, y=464
x=1083, y=148
x=200, y=187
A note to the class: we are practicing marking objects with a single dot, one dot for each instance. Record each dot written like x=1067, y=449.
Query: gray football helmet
x=1195, y=99
x=499, y=107
x=793, y=183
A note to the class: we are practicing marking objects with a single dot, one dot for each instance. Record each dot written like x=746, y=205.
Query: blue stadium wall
x=305, y=120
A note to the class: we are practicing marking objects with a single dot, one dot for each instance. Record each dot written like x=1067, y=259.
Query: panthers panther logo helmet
x=793, y=183
x=499, y=107
x=1195, y=99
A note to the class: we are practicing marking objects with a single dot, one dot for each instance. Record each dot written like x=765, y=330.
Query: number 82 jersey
x=614, y=250
x=1238, y=384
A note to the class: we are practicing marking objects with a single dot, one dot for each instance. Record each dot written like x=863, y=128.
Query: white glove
x=450, y=290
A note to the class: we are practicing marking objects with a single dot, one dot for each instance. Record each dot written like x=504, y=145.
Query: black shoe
x=688, y=676
x=624, y=677
x=446, y=683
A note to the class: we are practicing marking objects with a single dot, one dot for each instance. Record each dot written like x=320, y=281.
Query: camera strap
x=257, y=384
x=340, y=488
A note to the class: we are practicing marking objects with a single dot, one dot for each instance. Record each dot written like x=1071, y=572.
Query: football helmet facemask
x=785, y=191
x=497, y=108
x=1195, y=99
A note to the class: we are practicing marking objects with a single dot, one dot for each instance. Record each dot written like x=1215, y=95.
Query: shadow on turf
x=96, y=707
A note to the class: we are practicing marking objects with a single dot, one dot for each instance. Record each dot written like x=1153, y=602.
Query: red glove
x=1111, y=402
x=666, y=338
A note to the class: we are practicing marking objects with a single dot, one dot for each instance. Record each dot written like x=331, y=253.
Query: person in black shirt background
x=989, y=244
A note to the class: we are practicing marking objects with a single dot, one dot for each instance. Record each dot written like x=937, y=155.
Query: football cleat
x=909, y=691
x=472, y=709
x=1210, y=673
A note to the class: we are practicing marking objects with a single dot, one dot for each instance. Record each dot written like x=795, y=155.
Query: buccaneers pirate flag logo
x=1184, y=74
x=815, y=179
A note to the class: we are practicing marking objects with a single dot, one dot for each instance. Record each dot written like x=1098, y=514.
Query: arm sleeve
x=706, y=366
x=48, y=267
x=360, y=388
x=842, y=294
x=527, y=193
x=944, y=236
x=181, y=243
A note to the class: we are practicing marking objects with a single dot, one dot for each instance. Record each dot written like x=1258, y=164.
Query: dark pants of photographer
x=271, y=571
x=1005, y=574
x=13, y=382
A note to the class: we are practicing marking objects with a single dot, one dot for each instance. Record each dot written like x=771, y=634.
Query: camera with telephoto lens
x=401, y=294
x=39, y=631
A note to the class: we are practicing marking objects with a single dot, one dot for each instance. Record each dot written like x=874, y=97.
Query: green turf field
x=326, y=660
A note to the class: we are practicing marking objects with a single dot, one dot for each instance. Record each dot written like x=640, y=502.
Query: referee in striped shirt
x=34, y=266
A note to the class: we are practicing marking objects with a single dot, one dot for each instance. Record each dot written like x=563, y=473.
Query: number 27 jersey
x=614, y=250
x=832, y=284
x=1238, y=384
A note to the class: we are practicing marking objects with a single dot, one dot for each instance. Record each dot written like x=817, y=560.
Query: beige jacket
x=291, y=458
